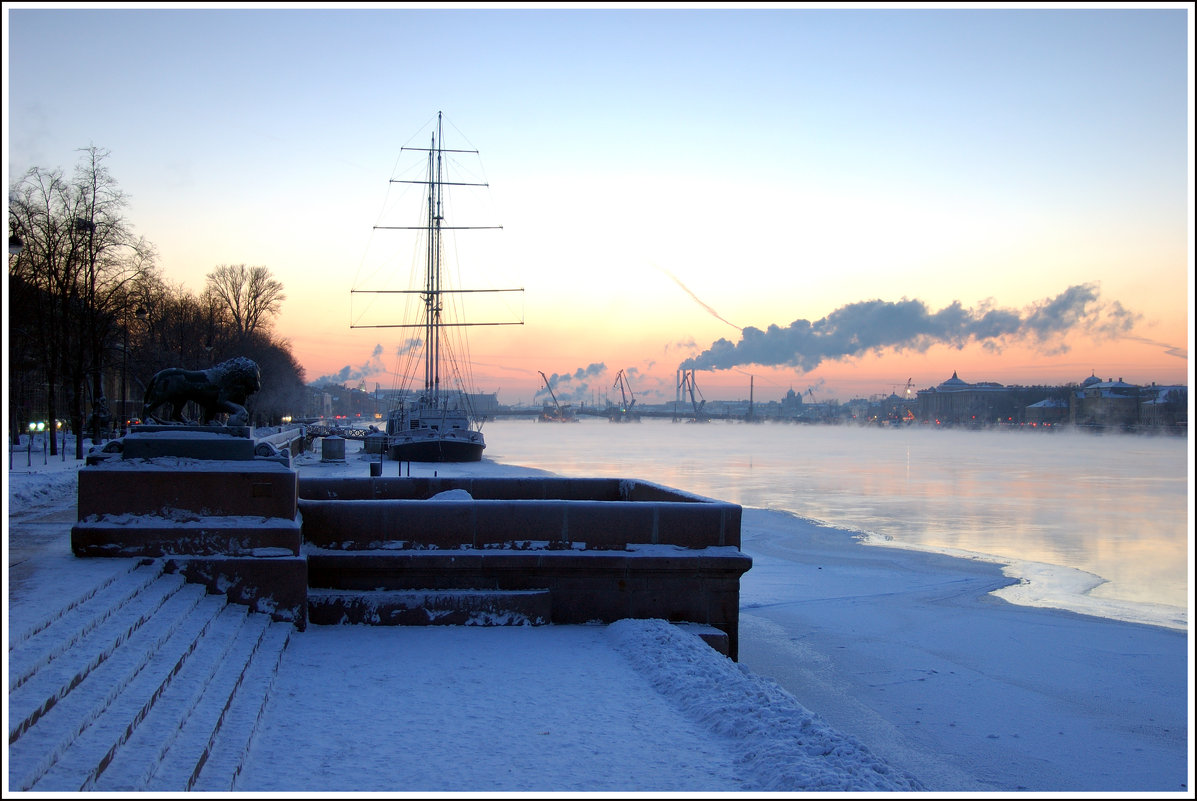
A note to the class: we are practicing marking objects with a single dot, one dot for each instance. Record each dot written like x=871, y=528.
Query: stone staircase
x=147, y=683
x=371, y=587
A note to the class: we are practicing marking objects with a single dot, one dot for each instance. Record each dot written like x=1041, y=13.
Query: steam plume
x=372, y=366
x=564, y=385
x=874, y=325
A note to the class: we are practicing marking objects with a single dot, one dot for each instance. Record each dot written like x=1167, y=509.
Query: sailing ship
x=435, y=423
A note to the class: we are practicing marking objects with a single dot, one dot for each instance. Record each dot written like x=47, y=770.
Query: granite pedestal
x=202, y=498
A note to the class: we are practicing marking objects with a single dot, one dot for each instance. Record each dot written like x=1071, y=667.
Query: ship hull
x=435, y=449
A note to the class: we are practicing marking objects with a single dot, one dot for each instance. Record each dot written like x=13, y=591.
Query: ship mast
x=432, y=293
x=432, y=297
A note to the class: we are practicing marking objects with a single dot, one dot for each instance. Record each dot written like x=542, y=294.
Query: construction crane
x=560, y=415
x=622, y=383
x=624, y=413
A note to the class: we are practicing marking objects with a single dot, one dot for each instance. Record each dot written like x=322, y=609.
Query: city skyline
x=598, y=397
x=893, y=194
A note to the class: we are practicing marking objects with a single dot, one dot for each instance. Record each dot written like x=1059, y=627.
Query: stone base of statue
x=220, y=507
x=232, y=443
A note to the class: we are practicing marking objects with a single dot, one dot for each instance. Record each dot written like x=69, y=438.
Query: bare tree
x=78, y=261
x=283, y=390
x=249, y=295
x=41, y=270
x=111, y=260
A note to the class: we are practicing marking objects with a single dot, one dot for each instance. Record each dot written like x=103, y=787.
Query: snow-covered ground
x=862, y=668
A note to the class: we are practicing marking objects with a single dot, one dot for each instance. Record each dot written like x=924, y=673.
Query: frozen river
x=1098, y=522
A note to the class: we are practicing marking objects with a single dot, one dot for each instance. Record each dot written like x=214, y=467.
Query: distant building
x=791, y=404
x=1050, y=411
x=1105, y=404
x=856, y=410
x=482, y=404
x=1164, y=407
x=897, y=409
x=957, y=402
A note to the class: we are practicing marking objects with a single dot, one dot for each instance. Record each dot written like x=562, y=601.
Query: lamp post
x=124, y=385
x=15, y=246
x=140, y=313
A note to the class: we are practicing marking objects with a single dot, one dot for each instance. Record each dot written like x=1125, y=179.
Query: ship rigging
x=436, y=422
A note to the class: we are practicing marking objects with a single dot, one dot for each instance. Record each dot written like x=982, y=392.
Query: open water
x=1098, y=523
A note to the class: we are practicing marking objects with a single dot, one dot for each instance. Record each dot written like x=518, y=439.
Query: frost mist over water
x=1113, y=506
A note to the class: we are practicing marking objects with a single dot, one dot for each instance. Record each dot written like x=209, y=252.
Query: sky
x=839, y=198
x=861, y=668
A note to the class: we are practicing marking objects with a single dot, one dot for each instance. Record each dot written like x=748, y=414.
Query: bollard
x=332, y=449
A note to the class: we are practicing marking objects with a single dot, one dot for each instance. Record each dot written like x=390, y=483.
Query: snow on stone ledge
x=176, y=464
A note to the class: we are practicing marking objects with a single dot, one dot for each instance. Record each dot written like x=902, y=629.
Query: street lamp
x=140, y=313
x=124, y=386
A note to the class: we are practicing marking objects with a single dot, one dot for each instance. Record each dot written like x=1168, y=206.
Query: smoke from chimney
x=874, y=325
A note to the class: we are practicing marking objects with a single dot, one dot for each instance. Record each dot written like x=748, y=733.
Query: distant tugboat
x=434, y=424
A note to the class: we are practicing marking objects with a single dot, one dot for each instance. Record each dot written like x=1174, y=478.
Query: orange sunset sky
x=667, y=178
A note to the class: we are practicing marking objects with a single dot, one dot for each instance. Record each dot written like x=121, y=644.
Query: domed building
x=957, y=402
x=1105, y=404
x=954, y=384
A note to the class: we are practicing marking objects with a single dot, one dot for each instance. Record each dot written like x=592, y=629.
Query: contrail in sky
x=1171, y=350
x=697, y=300
x=874, y=325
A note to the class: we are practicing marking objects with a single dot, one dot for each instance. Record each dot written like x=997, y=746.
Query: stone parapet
x=670, y=583
x=201, y=487
x=594, y=514
x=193, y=443
x=166, y=428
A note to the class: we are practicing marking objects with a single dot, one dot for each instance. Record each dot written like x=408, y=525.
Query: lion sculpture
x=218, y=390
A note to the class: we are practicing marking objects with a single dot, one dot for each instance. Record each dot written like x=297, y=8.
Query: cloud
x=371, y=367
x=874, y=325
x=572, y=386
x=684, y=344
